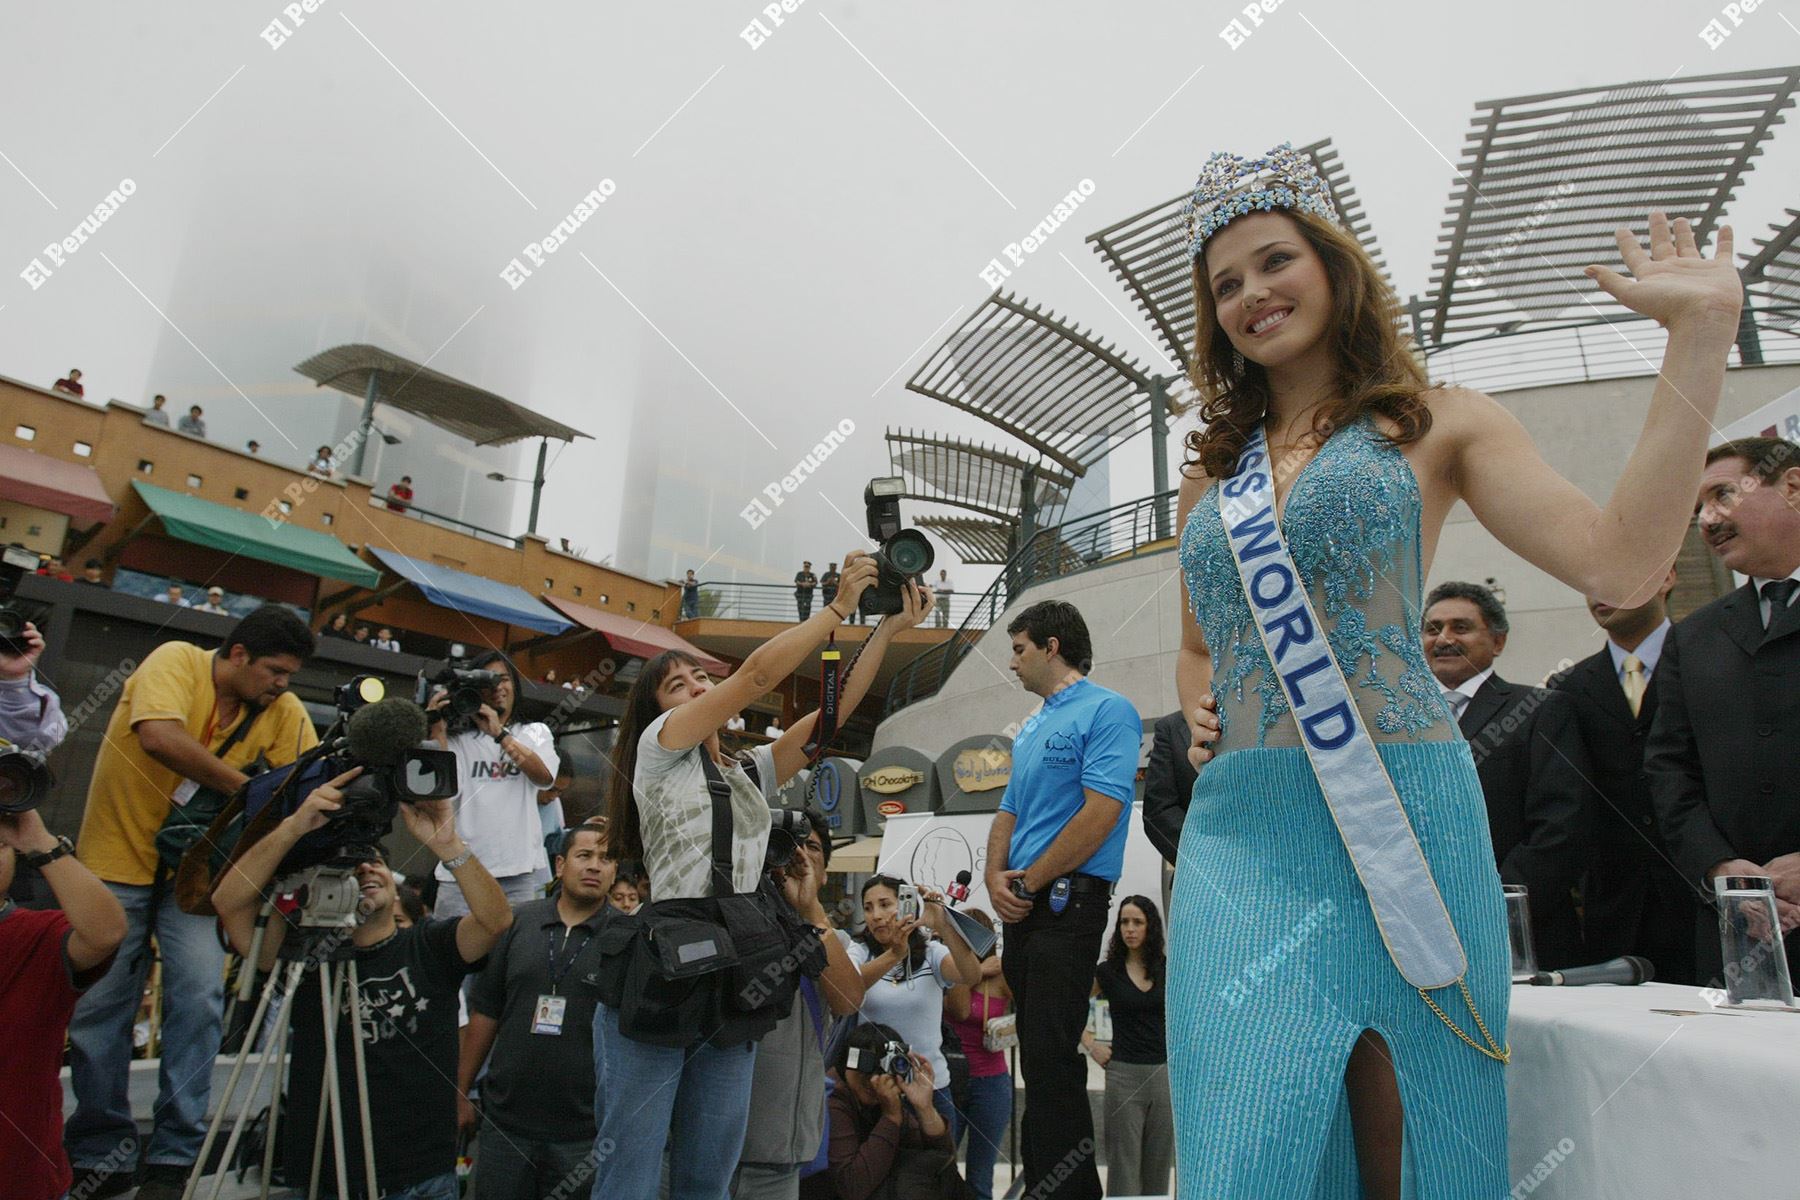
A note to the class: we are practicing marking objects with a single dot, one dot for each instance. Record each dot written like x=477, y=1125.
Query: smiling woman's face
x=1269, y=288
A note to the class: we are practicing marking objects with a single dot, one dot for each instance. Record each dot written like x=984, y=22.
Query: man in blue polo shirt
x=1054, y=852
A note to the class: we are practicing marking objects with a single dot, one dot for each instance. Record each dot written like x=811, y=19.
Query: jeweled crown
x=1231, y=185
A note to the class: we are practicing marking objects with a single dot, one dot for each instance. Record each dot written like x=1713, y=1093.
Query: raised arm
x=790, y=747
x=1619, y=552
x=96, y=919
x=692, y=723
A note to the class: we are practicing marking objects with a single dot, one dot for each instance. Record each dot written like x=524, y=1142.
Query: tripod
x=326, y=919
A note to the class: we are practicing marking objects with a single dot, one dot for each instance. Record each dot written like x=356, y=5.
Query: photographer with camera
x=907, y=973
x=887, y=1137
x=675, y=1035
x=47, y=958
x=408, y=980
x=501, y=770
x=788, y=1119
x=188, y=724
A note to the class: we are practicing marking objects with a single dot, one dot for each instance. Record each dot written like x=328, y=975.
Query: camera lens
x=12, y=624
x=24, y=781
x=910, y=552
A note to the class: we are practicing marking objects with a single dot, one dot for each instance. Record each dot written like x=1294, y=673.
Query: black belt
x=1079, y=885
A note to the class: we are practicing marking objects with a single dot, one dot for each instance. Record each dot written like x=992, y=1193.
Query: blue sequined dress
x=1276, y=965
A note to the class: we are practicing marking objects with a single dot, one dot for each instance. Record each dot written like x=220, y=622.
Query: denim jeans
x=694, y=1100
x=990, y=1104
x=518, y=888
x=940, y=1100
x=193, y=989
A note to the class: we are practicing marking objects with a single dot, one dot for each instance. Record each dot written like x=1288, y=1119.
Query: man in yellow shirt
x=167, y=738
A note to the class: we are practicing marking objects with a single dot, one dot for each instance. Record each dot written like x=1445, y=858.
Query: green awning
x=252, y=535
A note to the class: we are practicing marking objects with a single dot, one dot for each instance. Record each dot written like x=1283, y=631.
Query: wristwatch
x=42, y=859
x=451, y=864
x=505, y=732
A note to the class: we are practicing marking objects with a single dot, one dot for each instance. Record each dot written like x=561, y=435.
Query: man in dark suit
x=1722, y=752
x=1634, y=900
x=1168, y=783
x=1529, y=754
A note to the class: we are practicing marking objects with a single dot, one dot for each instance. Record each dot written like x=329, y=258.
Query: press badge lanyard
x=551, y=1008
x=1408, y=909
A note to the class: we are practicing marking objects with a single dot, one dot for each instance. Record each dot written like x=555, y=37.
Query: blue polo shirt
x=1085, y=736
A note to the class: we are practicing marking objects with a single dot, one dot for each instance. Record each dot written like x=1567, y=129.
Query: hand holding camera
x=25, y=832
x=19, y=654
x=316, y=811
x=918, y=1085
x=433, y=824
x=860, y=573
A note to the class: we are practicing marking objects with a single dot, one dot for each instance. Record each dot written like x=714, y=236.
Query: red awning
x=629, y=635
x=39, y=481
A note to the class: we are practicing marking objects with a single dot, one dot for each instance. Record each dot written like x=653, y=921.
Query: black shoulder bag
x=724, y=967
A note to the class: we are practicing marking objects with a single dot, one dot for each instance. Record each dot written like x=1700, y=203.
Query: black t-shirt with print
x=409, y=987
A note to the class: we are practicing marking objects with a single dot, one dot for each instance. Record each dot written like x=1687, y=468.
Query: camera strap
x=831, y=683
x=720, y=791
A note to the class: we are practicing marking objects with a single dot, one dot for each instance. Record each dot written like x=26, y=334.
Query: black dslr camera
x=901, y=554
x=24, y=778
x=466, y=689
x=16, y=562
x=788, y=831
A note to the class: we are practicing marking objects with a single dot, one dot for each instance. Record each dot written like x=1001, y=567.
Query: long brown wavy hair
x=624, y=831
x=1376, y=369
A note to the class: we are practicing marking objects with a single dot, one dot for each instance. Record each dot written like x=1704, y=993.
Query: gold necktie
x=1634, y=683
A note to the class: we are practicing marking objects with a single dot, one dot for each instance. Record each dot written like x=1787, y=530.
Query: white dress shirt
x=1458, y=697
x=1762, y=601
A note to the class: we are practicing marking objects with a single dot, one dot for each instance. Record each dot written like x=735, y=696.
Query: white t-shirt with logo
x=497, y=809
x=675, y=817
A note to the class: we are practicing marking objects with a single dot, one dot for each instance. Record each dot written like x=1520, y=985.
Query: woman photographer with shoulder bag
x=674, y=1039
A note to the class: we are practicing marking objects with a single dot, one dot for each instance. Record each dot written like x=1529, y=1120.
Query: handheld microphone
x=959, y=890
x=1627, y=970
x=380, y=734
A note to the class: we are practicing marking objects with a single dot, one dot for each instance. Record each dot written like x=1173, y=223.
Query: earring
x=1237, y=362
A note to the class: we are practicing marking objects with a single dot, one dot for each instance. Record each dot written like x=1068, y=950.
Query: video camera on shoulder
x=901, y=554
x=467, y=689
x=385, y=736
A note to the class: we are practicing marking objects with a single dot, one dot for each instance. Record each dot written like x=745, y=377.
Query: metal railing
x=1582, y=352
x=413, y=510
x=1125, y=531
x=775, y=602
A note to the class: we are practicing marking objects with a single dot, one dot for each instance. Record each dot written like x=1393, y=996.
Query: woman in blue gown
x=1303, y=1063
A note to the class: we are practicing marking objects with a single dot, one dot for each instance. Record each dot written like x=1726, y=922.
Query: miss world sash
x=1414, y=924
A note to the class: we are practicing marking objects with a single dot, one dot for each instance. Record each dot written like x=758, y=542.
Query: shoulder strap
x=251, y=712
x=720, y=791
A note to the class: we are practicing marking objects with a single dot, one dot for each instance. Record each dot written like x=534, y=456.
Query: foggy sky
x=791, y=222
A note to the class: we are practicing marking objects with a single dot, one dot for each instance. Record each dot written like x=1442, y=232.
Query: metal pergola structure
x=472, y=413
x=1147, y=252
x=1773, y=277
x=976, y=540
x=1544, y=180
x=1012, y=492
x=1066, y=393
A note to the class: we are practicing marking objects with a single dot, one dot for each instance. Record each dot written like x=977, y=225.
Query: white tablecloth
x=1612, y=1099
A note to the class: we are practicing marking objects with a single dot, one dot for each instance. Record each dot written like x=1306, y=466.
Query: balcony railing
x=1585, y=351
x=1128, y=530
x=411, y=509
x=775, y=602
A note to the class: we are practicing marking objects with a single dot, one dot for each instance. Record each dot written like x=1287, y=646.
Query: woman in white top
x=906, y=975
x=696, y=1099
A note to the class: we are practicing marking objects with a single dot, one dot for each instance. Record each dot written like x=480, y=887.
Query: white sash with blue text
x=1408, y=909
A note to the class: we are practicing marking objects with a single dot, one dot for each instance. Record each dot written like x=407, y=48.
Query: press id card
x=548, y=1018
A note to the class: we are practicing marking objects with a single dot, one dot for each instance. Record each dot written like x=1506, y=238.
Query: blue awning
x=476, y=595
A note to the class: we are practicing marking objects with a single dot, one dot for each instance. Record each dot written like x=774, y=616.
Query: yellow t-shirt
x=129, y=796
